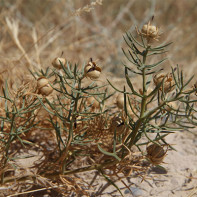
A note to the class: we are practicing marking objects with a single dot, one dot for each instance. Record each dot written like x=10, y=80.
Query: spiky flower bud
x=43, y=86
x=58, y=61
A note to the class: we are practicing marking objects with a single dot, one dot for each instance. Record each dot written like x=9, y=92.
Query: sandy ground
x=179, y=178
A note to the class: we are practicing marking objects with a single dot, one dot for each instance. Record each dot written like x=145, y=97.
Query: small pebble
x=135, y=191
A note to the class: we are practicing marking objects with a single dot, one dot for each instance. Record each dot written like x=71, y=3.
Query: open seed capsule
x=92, y=71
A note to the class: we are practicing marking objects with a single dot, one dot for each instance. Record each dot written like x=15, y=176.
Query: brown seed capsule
x=92, y=71
x=155, y=153
x=42, y=81
x=43, y=86
x=120, y=101
x=56, y=62
x=150, y=32
x=41, y=113
x=158, y=78
x=171, y=105
x=168, y=82
x=92, y=101
x=117, y=124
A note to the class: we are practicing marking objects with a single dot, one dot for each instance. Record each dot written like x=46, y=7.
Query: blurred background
x=34, y=32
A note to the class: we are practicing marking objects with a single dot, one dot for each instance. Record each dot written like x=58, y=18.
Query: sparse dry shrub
x=62, y=114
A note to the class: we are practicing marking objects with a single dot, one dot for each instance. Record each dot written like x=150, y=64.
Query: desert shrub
x=66, y=116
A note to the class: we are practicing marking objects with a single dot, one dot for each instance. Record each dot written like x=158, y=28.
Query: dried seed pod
x=120, y=101
x=92, y=71
x=42, y=81
x=171, y=105
x=168, y=82
x=150, y=32
x=120, y=105
x=43, y=86
x=117, y=124
x=92, y=101
x=157, y=79
x=56, y=62
x=155, y=153
x=41, y=114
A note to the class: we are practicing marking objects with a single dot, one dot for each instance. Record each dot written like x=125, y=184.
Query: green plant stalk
x=143, y=103
x=8, y=147
x=73, y=119
x=145, y=115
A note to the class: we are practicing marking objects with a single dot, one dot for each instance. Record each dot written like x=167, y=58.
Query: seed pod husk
x=120, y=101
x=155, y=153
x=92, y=101
x=150, y=32
x=43, y=86
x=168, y=82
x=56, y=62
x=171, y=105
x=92, y=71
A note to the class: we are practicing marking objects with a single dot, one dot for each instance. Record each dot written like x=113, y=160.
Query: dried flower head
x=92, y=101
x=117, y=124
x=150, y=32
x=155, y=153
x=43, y=86
x=58, y=61
x=168, y=82
x=91, y=70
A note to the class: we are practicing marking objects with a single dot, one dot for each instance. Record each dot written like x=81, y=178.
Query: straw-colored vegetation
x=61, y=109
